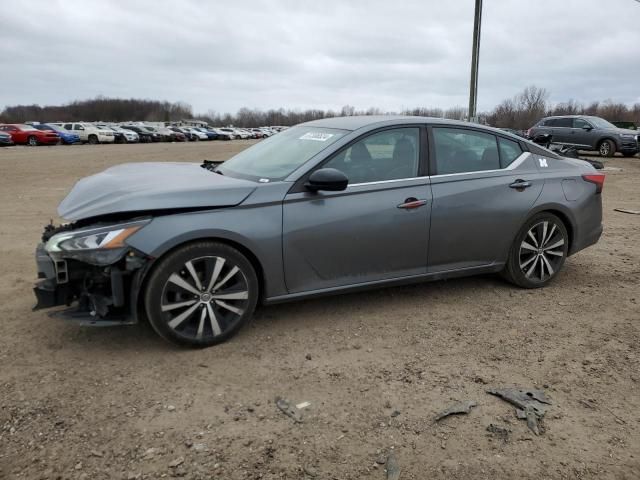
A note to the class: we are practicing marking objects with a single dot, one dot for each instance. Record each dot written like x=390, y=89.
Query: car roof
x=372, y=121
x=572, y=116
x=360, y=121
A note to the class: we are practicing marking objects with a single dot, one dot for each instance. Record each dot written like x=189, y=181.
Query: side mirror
x=328, y=179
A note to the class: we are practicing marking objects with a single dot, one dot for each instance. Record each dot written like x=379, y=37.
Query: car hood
x=138, y=187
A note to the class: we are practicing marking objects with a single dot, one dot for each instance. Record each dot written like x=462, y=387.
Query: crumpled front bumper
x=97, y=296
x=49, y=291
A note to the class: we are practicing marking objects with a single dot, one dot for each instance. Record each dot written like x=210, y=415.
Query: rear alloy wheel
x=607, y=148
x=32, y=141
x=201, y=294
x=538, y=252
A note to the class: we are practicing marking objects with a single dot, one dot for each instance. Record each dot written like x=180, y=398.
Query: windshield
x=277, y=157
x=26, y=128
x=601, y=122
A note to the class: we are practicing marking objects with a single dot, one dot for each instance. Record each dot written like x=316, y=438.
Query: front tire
x=201, y=294
x=93, y=140
x=32, y=141
x=538, y=252
x=607, y=148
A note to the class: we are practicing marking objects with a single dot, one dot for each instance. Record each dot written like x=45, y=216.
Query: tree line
x=99, y=109
x=519, y=112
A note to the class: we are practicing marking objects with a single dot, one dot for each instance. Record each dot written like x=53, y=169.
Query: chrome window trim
x=386, y=181
x=515, y=164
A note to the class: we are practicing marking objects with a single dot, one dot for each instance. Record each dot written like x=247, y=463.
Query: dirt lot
x=120, y=403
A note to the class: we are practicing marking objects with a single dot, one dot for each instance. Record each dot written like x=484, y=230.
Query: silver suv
x=587, y=133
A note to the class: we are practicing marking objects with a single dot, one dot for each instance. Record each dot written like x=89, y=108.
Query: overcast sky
x=222, y=56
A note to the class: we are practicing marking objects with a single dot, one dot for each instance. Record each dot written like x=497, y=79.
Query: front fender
x=257, y=230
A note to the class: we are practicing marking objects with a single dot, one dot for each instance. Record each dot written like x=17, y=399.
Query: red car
x=26, y=134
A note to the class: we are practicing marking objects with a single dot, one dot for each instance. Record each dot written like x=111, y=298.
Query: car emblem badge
x=543, y=162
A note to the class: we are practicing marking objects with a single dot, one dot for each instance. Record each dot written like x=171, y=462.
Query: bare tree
x=519, y=112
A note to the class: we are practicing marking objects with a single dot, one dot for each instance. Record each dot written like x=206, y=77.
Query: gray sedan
x=325, y=207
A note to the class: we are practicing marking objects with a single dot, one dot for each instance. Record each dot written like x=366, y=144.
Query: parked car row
x=586, y=132
x=34, y=133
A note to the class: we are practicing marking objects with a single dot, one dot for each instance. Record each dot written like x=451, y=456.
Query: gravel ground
x=376, y=367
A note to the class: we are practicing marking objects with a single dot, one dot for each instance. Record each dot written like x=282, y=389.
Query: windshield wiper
x=212, y=166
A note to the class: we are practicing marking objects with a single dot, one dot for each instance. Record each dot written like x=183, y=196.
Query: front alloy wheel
x=538, y=252
x=607, y=148
x=201, y=294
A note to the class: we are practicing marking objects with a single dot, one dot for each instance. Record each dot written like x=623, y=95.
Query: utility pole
x=475, y=58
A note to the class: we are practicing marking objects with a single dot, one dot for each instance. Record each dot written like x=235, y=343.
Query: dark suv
x=588, y=133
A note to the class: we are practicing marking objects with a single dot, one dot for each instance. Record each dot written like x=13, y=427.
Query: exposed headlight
x=98, y=246
x=105, y=238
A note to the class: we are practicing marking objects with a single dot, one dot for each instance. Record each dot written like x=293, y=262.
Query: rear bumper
x=586, y=240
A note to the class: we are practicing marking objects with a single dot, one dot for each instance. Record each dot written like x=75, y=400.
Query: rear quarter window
x=509, y=151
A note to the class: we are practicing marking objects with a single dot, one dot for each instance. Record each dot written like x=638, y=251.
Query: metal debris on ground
x=626, y=210
x=531, y=404
x=393, y=469
x=289, y=409
x=458, y=408
x=498, y=431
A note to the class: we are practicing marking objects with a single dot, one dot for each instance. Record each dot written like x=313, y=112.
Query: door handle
x=520, y=184
x=411, y=203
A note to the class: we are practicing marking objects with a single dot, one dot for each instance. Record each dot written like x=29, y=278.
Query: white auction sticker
x=317, y=136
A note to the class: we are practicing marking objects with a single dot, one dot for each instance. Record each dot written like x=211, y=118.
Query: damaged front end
x=92, y=270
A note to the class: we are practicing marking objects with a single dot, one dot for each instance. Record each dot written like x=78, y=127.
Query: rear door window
x=461, y=150
x=564, y=122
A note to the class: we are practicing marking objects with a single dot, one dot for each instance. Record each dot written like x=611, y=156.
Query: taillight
x=597, y=178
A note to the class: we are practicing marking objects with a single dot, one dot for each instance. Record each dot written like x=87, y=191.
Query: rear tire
x=32, y=141
x=607, y=148
x=201, y=294
x=538, y=252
